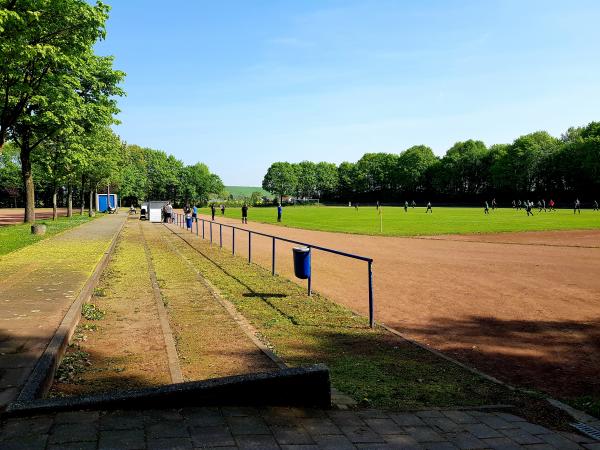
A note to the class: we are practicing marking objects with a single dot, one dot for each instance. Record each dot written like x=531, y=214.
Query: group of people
x=528, y=205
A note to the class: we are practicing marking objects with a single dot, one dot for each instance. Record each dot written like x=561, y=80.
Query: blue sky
x=241, y=84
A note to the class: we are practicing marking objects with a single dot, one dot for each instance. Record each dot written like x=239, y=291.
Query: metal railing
x=180, y=220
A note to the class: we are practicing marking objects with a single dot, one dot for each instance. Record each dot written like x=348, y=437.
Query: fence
x=180, y=220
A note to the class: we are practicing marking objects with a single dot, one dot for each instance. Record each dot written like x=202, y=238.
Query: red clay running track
x=10, y=216
x=524, y=307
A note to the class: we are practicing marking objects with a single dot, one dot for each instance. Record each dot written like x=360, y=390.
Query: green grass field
x=246, y=191
x=14, y=237
x=415, y=222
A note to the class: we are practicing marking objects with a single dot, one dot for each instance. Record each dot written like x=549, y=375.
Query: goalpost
x=306, y=201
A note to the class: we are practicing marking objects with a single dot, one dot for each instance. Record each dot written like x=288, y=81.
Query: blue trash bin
x=302, y=262
x=188, y=221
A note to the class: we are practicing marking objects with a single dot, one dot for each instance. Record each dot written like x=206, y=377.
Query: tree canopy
x=533, y=165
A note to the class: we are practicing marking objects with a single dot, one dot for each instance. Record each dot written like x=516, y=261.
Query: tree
x=413, y=165
x=346, y=180
x=519, y=168
x=464, y=168
x=198, y=183
x=42, y=44
x=64, y=87
x=375, y=174
x=281, y=179
x=306, y=173
x=327, y=179
x=10, y=174
x=104, y=160
x=134, y=181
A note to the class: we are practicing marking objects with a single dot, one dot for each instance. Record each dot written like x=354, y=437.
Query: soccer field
x=396, y=222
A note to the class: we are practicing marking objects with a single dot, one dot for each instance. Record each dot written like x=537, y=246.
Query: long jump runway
x=524, y=307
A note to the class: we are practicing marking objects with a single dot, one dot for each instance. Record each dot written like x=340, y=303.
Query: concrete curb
x=296, y=387
x=39, y=381
x=169, y=340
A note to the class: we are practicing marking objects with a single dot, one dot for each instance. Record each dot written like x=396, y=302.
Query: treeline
x=57, y=106
x=134, y=173
x=535, y=165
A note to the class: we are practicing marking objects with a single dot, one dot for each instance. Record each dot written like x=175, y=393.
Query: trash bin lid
x=301, y=249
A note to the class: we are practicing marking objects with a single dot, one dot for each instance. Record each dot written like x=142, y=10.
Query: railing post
x=249, y=247
x=220, y=235
x=371, y=314
x=196, y=227
x=202, y=228
x=310, y=277
x=273, y=258
x=210, y=224
x=233, y=241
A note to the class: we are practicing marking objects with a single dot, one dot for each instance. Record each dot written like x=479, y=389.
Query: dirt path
x=209, y=342
x=128, y=349
x=10, y=216
x=523, y=306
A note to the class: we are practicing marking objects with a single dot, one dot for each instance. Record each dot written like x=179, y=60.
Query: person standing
x=486, y=209
x=195, y=213
x=544, y=204
x=528, y=206
x=405, y=205
x=577, y=206
x=429, y=208
x=188, y=219
x=519, y=205
x=245, y=213
x=551, y=205
x=222, y=210
x=595, y=205
x=494, y=204
x=212, y=212
x=279, y=212
x=413, y=204
x=169, y=212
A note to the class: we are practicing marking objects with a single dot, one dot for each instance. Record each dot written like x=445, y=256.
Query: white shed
x=155, y=210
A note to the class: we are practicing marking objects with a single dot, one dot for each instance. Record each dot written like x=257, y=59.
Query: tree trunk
x=54, y=203
x=70, y=200
x=91, y=212
x=82, y=206
x=28, y=185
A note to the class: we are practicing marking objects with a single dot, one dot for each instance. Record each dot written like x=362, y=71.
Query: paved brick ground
x=38, y=284
x=282, y=428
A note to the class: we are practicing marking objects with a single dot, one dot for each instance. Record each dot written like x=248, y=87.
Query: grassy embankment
x=14, y=237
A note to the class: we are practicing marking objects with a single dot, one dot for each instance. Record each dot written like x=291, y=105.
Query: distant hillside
x=246, y=191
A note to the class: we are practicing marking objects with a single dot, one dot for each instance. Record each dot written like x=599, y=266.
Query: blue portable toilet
x=102, y=202
x=302, y=262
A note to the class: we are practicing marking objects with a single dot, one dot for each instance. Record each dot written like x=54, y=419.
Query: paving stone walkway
x=283, y=428
x=38, y=284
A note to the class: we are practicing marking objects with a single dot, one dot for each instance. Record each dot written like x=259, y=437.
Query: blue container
x=102, y=200
x=302, y=262
x=188, y=221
